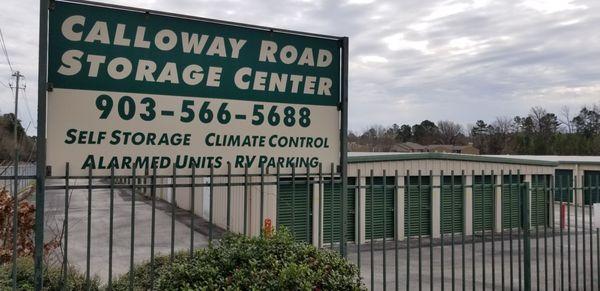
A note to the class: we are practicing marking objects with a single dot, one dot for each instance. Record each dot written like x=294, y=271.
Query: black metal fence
x=404, y=230
x=22, y=170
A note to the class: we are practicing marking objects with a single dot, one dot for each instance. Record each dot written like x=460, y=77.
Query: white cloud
x=553, y=98
x=465, y=45
x=552, y=6
x=447, y=9
x=420, y=26
x=452, y=7
x=360, y=2
x=569, y=22
x=397, y=42
x=373, y=59
x=469, y=46
x=481, y=3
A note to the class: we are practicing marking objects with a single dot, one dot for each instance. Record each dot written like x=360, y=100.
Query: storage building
x=403, y=194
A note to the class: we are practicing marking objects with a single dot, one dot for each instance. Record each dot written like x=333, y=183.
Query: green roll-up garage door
x=563, y=183
x=332, y=211
x=451, y=208
x=511, y=185
x=379, y=208
x=294, y=208
x=591, y=184
x=483, y=202
x=417, y=206
x=539, y=199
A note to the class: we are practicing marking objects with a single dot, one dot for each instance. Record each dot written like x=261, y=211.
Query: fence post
x=344, y=144
x=40, y=181
x=526, y=239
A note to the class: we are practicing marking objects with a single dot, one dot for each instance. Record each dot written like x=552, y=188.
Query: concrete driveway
x=77, y=234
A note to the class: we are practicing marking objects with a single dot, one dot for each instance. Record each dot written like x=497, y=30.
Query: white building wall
x=362, y=197
x=468, y=205
x=400, y=207
x=436, y=168
x=498, y=203
x=403, y=168
x=435, y=206
x=243, y=196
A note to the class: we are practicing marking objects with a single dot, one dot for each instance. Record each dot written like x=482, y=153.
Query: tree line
x=538, y=133
x=7, y=140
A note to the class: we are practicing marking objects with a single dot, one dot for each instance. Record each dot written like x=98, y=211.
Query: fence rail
x=25, y=173
x=404, y=230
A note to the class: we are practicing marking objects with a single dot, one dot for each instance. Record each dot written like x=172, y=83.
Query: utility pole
x=18, y=76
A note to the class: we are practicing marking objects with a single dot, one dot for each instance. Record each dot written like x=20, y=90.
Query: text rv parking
x=198, y=162
x=74, y=62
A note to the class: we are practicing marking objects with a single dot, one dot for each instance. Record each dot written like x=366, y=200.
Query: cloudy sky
x=410, y=60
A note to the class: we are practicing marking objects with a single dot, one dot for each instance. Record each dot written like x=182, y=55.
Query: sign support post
x=40, y=180
x=344, y=144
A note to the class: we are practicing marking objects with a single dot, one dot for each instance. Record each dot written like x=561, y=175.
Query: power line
x=3, y=84
x=5, y=51
x=24, y=87
x=27, y=104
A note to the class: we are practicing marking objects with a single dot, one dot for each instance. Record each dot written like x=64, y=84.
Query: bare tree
x=566, y=119
x=449, y=131
x=503, y=125
x=537, y=114
x=377, y=138
x=502, y=129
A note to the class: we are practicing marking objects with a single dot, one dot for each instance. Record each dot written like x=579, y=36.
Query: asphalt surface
x=492, y=266
x=560, y=259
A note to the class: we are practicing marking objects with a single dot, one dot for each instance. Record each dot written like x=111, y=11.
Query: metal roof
x=558, y=159
x=365, y=157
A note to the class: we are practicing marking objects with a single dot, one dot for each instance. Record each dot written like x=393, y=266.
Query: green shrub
x=241, y=263
x=52, y=277
x=142, y=279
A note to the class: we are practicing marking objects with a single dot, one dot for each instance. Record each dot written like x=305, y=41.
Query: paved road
x=435, y=261
x=77, y=236
x=543, y=256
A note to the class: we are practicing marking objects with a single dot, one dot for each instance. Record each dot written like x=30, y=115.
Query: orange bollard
x=268, y=228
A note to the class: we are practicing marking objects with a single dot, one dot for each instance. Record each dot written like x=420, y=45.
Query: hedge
x=238, y=262
x=52, y=277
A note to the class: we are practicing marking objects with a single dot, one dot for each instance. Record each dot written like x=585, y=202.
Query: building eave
x=447, y=156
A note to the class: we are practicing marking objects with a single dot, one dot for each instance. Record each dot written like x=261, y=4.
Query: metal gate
x=111, y=223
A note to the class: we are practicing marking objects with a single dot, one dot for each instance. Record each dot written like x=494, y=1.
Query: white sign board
x=136, y=90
